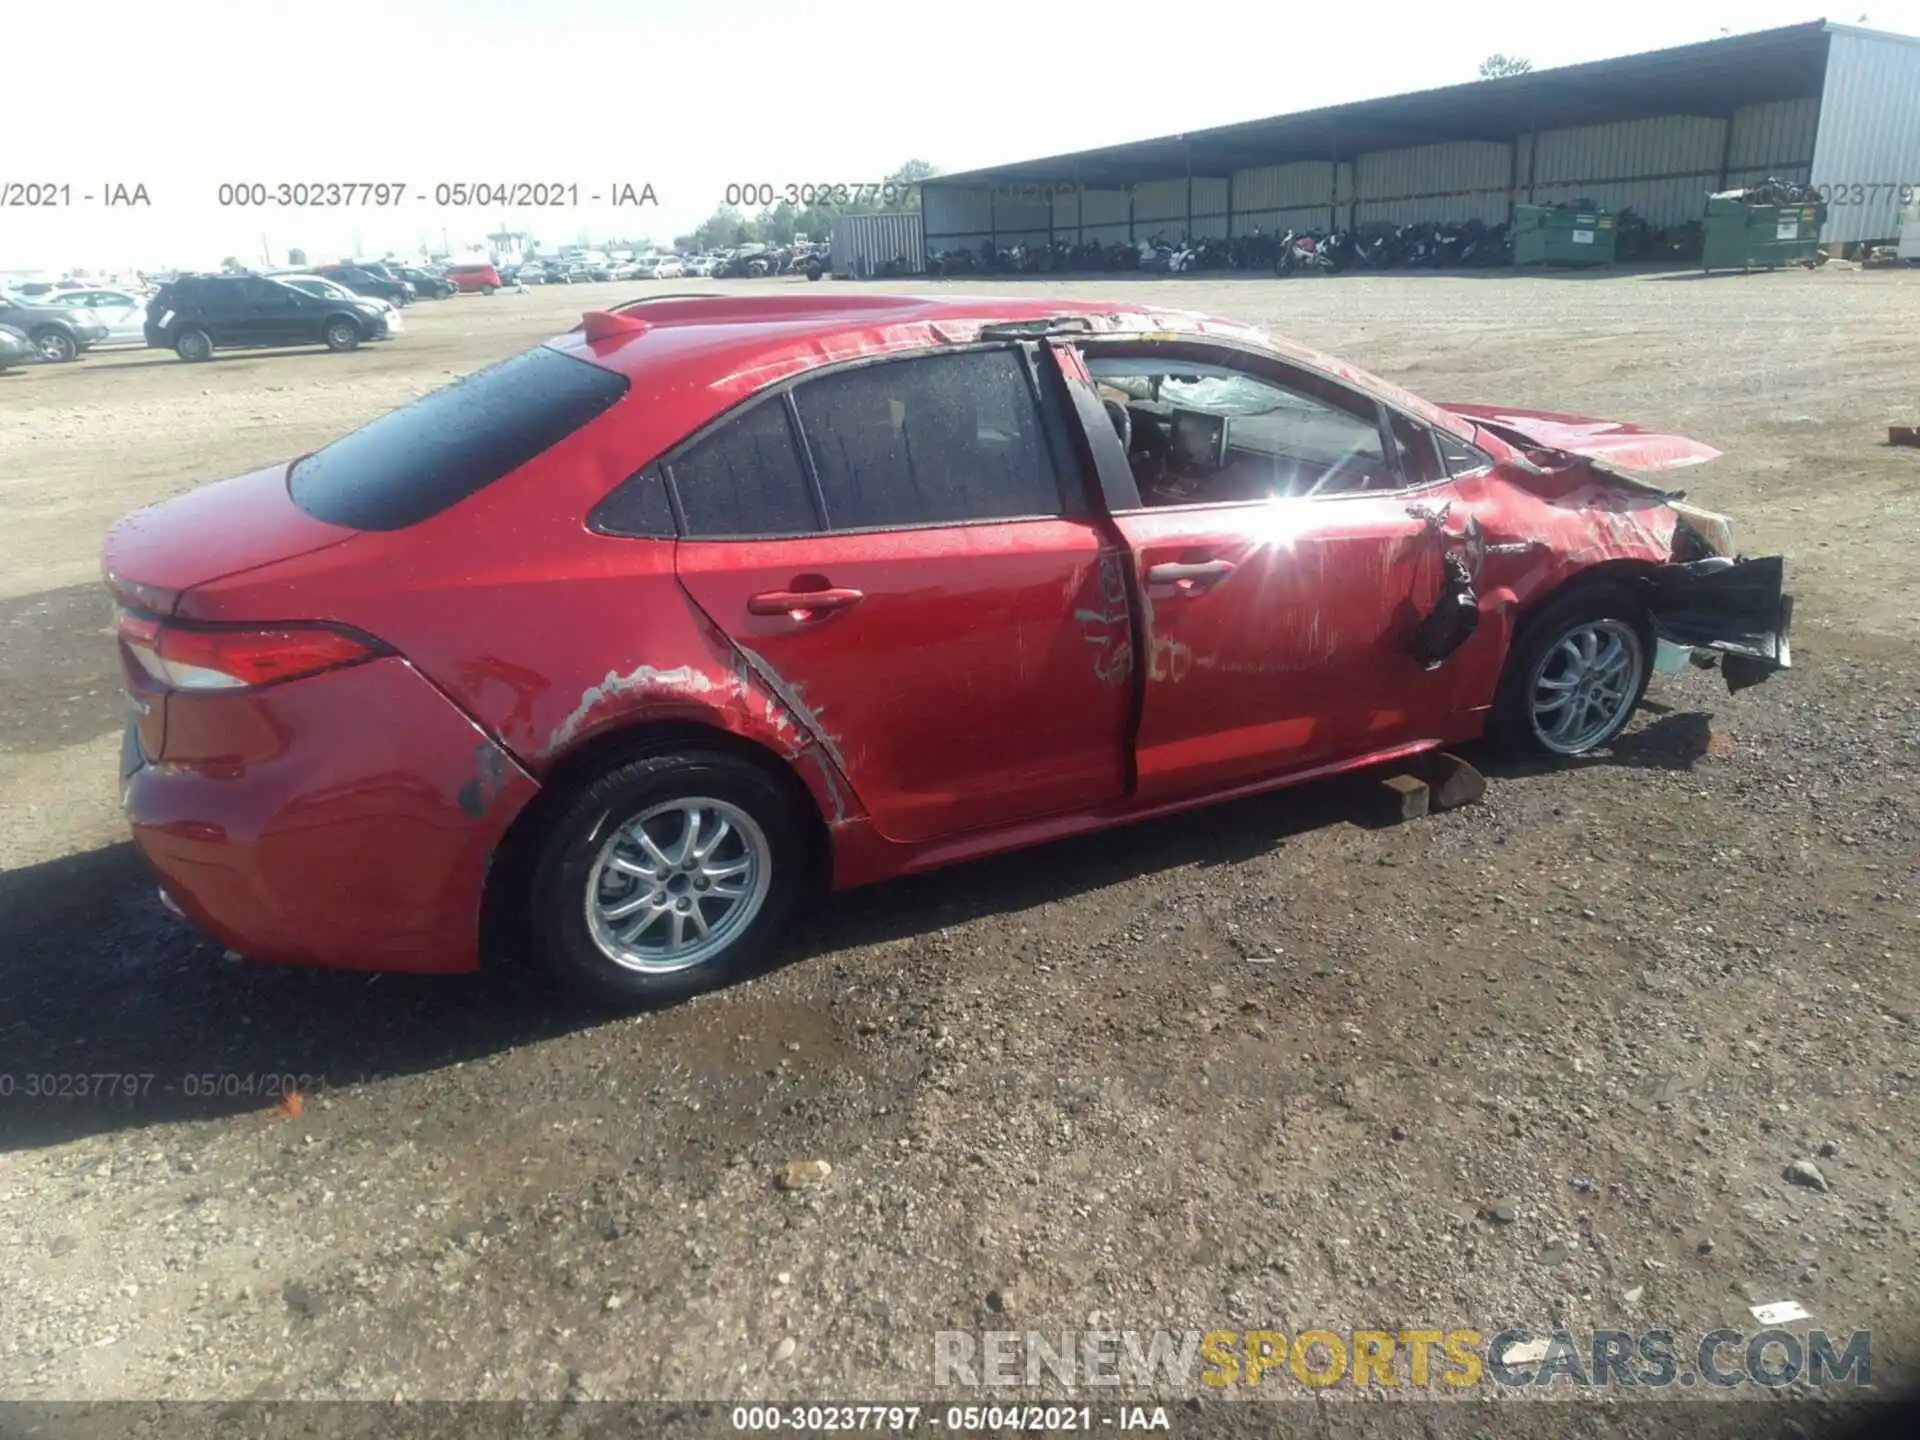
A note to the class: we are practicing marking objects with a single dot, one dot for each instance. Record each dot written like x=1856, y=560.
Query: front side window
x=1200, y=433
x=934, y=440
x=1417, y=451
x=1462, y=458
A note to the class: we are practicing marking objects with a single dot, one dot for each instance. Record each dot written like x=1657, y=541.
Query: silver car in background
x=123, y=312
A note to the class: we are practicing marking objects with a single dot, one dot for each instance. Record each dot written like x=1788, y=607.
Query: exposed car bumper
x=1734, y=609
x=327, y=841
x=389, y=325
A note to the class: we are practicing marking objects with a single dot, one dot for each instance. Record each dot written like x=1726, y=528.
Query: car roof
x=735, y=345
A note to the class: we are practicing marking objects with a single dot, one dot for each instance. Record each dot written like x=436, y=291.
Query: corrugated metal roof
x=1715, y=76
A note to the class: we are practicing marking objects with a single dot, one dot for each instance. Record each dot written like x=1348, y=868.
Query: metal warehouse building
x=1830, y=105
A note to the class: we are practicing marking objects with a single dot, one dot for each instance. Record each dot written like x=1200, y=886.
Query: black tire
x=193, y=345
x=486, y=289
x=341, y=333
x=56, y=347
x=566, y=862
x=1609, y=607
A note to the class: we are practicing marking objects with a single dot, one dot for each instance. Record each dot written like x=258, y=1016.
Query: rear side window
x=933, y=440
x=416, y=461
x=746, y=478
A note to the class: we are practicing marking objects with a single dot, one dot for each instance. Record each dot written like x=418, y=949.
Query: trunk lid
x=154, y=556
x=1614, y=443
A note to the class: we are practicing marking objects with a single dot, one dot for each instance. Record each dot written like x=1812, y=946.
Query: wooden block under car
x=1404, y=797
x=1454, y=782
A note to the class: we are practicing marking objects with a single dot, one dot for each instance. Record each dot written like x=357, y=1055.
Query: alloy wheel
x=676, y=885
x=1583, y=688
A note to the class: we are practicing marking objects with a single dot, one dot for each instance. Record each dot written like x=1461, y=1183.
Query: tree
x=296, y=257
x=232, y=265
x=1496, y=65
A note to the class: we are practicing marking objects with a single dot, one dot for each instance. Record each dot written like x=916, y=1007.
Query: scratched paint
x=681, y=680
x=790, y=696
x=1108, y=626
x=489, y=779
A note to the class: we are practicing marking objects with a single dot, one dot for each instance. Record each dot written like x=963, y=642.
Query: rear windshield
x=416, y=461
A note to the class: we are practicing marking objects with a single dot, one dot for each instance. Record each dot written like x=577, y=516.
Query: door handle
x=800, y=604
x=1189, y=578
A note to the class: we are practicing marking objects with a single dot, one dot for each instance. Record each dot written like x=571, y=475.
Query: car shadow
x=114, y=1015
x=1676, y=740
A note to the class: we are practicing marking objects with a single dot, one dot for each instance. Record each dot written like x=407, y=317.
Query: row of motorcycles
x=754, y=262
x=1426, y=244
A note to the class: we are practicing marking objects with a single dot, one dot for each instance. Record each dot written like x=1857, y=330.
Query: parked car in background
x=426, y=285
x=121, y=311
x=199, y=314
x=327, y=289
x=700, y=265
x=472, y=277
x=366, y=282
x=58, y=332
x=659, y=267
x=646, y=617
x=15, y=347
x=531, y=274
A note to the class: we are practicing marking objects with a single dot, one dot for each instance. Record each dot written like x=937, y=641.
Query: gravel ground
x=1542, y=1060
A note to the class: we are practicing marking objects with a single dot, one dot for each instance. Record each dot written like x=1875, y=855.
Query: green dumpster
x=1740, y=236
x=1576, y=234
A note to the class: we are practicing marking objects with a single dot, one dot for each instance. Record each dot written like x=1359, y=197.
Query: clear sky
x=689, y=96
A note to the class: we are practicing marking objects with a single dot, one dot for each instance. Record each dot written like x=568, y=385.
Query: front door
x=889, y=548
x=1284, y=559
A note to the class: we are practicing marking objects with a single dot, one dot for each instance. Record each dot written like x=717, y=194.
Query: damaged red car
x=615, y=652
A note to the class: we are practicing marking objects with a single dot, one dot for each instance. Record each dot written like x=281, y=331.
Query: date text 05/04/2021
x=445, y=194
x=896, y=1419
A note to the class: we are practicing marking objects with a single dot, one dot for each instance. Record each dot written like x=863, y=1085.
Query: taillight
x=232, y=657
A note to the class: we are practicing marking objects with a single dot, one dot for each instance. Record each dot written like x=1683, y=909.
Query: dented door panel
x=1280, y=635
x=967, y=676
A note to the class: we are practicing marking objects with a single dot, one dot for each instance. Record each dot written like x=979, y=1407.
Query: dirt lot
x=1264, y=1067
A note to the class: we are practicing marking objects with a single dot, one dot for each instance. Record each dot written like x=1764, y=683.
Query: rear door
x=898, y=549
x=1283, y=566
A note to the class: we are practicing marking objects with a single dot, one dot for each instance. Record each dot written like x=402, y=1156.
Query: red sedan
x=620, y=648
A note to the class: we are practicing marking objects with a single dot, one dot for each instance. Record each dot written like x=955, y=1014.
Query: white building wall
x=1869, y=134
x=950, y=210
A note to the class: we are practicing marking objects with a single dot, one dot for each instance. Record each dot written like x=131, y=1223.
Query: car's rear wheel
x=342, y=334
x=665, y=876
x=1576, y=673
x=193, y=345
x=56, y=347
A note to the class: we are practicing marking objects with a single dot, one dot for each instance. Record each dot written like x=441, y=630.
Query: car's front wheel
x=665, y=876
x=56, y=347
x=342, y=334
x=1576, y=673
x=193, y=345
x=486, y=289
